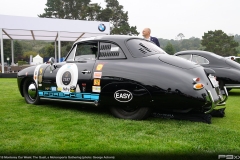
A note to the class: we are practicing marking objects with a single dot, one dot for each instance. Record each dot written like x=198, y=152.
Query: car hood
x=177, y=61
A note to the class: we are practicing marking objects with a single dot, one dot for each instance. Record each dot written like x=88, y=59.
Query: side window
x=110, y=51
x=199, y=59
x=86, y=51
x=186, y=56
x=71, y=55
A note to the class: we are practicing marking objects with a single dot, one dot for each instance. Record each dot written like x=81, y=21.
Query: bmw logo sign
x=101, y=27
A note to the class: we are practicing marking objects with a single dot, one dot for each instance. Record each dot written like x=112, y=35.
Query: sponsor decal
x=66, y=89
x=96, y=89
x=101, y=27
x=72, y=89
x=66, y=78
x=40, y=78
x=47, y=88
x=96, y=82
x=40, y=71
x=97, y=75
x=99, y=67
x=54, y=88
x=123, y=96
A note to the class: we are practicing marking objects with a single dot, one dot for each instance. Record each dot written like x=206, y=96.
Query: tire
x=30, y=91
x=133, y=113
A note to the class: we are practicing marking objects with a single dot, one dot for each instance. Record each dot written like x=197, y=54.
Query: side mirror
x=52, y=65
x=51, y=60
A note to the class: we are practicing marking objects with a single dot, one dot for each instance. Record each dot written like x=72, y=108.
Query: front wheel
x=134, y=113
x=30, y=91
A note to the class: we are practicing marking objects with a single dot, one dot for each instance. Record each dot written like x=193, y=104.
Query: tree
x=26, y=55
x=82, y=10
x=7, y=50
x=220, y=43
x=18, y=51
x=169, y=48
x=118, y=18
x=181, y=36
x=66, y=9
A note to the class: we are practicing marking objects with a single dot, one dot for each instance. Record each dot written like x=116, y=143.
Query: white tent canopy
x=48, y=29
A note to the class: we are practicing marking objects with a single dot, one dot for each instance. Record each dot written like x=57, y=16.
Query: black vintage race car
x=227, y=70
x=130, y=75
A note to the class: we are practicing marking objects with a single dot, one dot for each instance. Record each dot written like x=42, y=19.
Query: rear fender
x=125, y=93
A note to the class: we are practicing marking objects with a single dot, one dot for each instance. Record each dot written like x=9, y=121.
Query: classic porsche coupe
x=130, y=75
x=227, y=70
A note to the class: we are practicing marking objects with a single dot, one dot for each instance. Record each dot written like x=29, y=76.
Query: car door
x=72, y=79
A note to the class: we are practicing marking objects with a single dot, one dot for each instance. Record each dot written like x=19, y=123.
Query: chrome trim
x=226, y=95
x=232, y=86
x=210, y=98
x=218, y=105
x=82, y=102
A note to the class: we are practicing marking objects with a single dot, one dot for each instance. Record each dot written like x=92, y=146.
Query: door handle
x=85, y=71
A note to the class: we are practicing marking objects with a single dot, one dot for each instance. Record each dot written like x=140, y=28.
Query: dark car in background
x=129, y=75
x=226, y=70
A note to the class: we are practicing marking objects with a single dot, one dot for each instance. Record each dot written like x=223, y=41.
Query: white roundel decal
x=123, y=96
x=67, y=77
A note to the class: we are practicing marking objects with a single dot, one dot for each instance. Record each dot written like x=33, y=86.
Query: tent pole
x=59, y=47
x=2, y=56
x=12, y=46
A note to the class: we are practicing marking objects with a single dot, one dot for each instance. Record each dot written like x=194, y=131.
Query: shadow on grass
x=156, y=114
x=77, y=107
x=234, y=93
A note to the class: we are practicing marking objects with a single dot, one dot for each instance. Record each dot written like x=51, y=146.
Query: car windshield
x=143, y=48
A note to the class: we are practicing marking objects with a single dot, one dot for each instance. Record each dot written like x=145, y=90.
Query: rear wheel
x=134, y=113
x=30, y=91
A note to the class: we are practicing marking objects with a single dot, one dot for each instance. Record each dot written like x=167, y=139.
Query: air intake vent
x=142, y=50
x=144, y=47
x=105, y=47
x=109, y=54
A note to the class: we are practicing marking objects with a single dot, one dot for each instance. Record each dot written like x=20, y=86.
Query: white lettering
x=123, y=96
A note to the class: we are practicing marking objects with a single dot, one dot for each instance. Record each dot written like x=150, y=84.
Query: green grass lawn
x=70, y=129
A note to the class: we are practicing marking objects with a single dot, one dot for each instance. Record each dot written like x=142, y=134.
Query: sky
x=165, y=18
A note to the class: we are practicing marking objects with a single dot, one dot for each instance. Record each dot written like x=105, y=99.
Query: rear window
x=143, y=48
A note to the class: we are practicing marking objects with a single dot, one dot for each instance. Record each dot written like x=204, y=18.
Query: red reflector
x=196, y=79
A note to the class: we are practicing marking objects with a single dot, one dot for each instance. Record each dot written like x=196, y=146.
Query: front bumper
x=219, y=104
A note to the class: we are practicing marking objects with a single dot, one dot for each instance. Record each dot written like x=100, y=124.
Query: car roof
x=109, y=38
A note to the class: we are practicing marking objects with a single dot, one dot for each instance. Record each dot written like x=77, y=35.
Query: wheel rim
x=32, y=91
